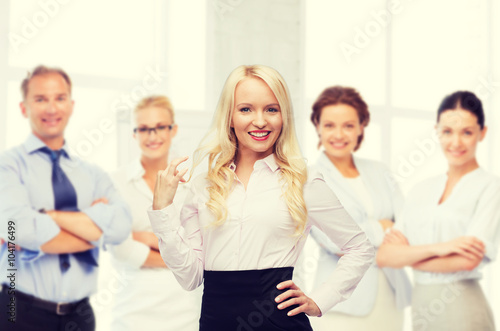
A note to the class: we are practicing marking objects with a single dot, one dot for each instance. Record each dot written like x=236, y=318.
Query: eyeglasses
x=147, y=131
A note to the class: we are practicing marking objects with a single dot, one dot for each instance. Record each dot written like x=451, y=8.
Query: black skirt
x=244, y=301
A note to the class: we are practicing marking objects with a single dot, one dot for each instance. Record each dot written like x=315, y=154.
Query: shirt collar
x=269, y=161
x=33, y=144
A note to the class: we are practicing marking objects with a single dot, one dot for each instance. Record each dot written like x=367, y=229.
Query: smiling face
x=459, y=133
x=256, y=118
x=338, y=130
x=154, y=145
x=48, y=106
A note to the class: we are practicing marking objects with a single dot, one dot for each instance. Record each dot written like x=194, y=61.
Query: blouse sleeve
x=326, y=212
x=485, y=224
x=395, y=195
x=324, y=241
x=180, y=240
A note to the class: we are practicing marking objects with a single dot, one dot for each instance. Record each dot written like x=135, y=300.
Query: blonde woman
x=152, y=299
x=242, y=225
x=366, y=190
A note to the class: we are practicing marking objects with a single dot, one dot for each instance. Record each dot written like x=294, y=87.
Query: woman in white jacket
x=373, y=199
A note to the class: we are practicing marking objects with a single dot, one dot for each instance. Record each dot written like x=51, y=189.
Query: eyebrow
x=157, y=124
x=346, y=122
x=466, y=128
x=249, y=104
x=44, y=95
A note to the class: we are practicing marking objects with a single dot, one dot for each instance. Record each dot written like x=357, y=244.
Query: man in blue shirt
x=56, y=211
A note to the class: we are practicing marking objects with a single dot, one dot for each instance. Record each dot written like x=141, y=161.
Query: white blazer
x=387, y=202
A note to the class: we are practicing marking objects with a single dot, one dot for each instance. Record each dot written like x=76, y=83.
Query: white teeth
x=259, y=134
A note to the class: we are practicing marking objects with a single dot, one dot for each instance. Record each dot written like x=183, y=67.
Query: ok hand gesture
x=167, y=182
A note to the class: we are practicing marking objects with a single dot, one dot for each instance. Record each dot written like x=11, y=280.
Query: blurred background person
x=450, y=227
x=369, y=194
x=153, y=299
x=60, y=209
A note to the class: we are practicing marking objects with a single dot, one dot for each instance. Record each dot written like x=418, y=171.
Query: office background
x=403, y=56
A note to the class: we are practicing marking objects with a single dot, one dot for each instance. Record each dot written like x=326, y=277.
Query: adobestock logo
x=116, y=284
x=423, y=149
x=39, y=20
x=486, y=87
x=363, y=36
x=222, y=7
x=120, y=107
x=423, y=316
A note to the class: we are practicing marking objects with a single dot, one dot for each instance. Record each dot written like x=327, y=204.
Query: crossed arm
x=154, y=259
x=77, y=230
x=462, y=253
x=64, y=242
x=57, y=232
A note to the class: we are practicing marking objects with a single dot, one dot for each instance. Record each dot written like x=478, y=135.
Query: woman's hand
x=100, y=200
x=167, y=182
x=467, y=246
x=294, y=296
x=394, y=236
x=386, y=223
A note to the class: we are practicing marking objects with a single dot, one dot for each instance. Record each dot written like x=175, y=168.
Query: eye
x=349, y=126
x=328, y=125
x=161, y=127
x=142, y=130
x=446, y=131
x=245, y=110
x=38, y=99
x=61, y=98
x=468, y=133
x=273, y=110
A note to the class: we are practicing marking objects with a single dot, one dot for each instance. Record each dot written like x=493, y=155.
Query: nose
x=259, y=120
x=456, y=141
x=152, y=133
x=338, y=133
x=51, y=107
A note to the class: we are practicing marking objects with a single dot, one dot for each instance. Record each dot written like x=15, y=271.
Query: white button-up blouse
x=259, y=233
x=472, y=209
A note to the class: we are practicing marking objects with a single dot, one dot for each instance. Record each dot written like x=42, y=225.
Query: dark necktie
x=65, y=200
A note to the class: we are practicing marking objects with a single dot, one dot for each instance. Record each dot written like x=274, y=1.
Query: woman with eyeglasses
x=151, y=299
x=450, y=227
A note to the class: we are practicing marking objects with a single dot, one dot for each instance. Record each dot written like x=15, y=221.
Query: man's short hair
x=43, y=70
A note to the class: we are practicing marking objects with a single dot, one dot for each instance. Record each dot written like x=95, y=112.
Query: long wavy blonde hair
x=220, y=145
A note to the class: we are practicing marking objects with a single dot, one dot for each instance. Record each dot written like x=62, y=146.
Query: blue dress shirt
x=25, y=189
